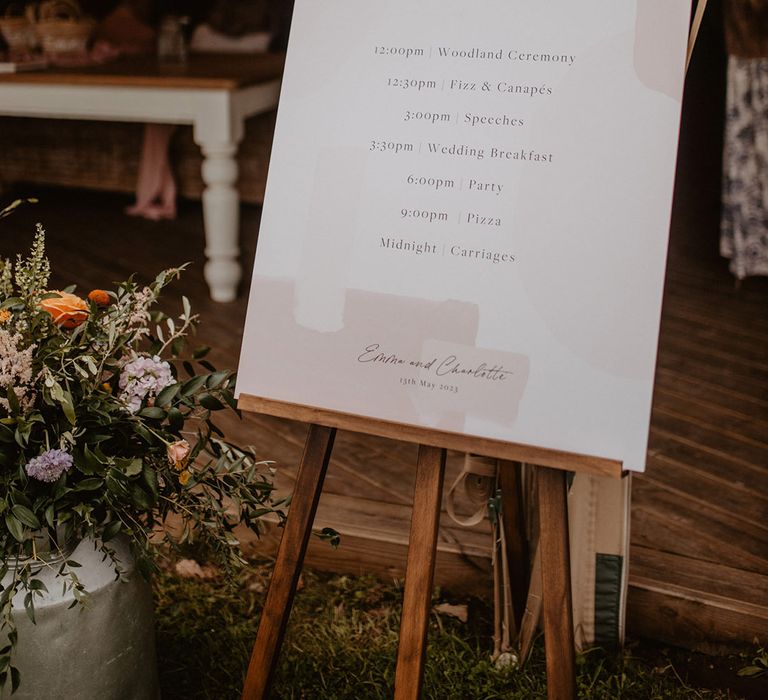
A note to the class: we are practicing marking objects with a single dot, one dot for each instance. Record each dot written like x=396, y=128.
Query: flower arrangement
x=105, y=431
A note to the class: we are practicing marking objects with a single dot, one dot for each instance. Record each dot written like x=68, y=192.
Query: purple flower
x=143, y=377
x=50, y=465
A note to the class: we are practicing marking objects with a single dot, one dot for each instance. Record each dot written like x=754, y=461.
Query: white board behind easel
x=466, y=218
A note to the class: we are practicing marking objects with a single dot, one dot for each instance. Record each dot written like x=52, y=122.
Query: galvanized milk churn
x=104, y=650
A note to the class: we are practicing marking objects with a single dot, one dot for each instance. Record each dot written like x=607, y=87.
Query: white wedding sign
x=467, y=214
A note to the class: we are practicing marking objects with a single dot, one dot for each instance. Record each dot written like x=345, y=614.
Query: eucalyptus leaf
x=167, y=395
x=210, y=402
x=29, y=606
x=207, y=365
x=68, y=407
x=140, y=498
x=14, y=527
x=11, y=302
x=751, y=671
x=15, y=679
x=26, y=516
x=175, y=419
x=134, y=467
x=144, y=434
x=111, y=530
x=6, y=434
x=192, y=385
x=20, y=497
x=89, y=484
x=91, y=463
x=216, y=379
x=13, y=401
x=150, y=479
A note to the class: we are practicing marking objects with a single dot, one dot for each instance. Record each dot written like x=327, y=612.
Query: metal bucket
x=102, y=651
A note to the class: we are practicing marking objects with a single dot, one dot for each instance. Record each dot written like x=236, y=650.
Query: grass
x=342, y=641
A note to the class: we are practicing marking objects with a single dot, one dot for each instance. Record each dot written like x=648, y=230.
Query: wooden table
x=215, y=93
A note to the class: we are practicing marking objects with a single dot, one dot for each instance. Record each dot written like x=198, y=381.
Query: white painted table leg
x=221, y=218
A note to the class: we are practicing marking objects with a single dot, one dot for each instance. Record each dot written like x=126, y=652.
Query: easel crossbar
x=444, y=439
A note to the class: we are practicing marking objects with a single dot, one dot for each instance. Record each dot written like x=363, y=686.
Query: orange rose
x=99, y=297
x=67, y=310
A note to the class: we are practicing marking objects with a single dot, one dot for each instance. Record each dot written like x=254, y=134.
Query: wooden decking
x=699, y=560
x=699, y=554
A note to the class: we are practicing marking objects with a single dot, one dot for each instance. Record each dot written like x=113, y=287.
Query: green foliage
x=33, y=273
x=759, y=665
x=142, y=453
x=341, y=644
x=7, y=211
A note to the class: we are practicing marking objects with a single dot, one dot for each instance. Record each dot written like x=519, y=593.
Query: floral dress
x=744, y=219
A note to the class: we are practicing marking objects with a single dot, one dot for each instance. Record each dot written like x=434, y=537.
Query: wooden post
x=419, y=573
x=556, y=584
x=510, y=482
x=290, y=556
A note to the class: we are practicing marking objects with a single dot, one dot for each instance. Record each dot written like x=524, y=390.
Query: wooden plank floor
x=699, y=558
x=699, y=554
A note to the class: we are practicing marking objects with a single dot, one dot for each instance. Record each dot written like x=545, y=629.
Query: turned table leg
x=221, y=219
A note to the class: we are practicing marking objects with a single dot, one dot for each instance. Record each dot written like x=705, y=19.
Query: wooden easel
x=430, y=467
x=553, y=555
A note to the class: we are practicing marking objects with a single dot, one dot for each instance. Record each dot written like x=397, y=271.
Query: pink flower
x=178, y=453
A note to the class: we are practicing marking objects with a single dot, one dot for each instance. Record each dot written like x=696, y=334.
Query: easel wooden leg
x=419, y=573
x=290, y=556
x=510, y=481
x=556, y=584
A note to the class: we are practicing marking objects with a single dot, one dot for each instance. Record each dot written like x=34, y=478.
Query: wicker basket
x=63, y=28
x=18, y=27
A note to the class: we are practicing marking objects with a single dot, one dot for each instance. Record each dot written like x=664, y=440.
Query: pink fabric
x=124, y=33
x=101, y=52
x=156, y=187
